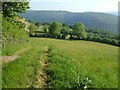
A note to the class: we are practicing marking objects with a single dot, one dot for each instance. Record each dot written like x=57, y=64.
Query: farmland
x=70, y=64
x=56, y=55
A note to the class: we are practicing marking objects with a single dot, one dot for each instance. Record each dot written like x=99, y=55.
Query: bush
x=115, y=42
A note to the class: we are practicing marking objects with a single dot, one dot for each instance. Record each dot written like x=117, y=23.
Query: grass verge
x=22, y=73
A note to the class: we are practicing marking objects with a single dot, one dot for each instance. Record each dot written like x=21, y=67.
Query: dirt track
x=13, y=57
x=8, y=58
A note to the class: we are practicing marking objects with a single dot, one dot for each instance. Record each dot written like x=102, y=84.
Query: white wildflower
x=85, y=87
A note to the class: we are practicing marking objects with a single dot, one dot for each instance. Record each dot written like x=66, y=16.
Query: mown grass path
x=6, y=59
x=27, y=68
x=42, y=76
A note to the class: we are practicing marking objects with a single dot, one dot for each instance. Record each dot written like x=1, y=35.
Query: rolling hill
x=93, y=20
x=55, y=63
x=114, y=13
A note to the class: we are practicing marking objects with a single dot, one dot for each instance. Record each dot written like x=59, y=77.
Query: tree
x=97, y=38
x=10, y=9
x=115, y=42
x=110, y=35
x=37, y=24
x=55, y=29
x=45, y=28
x=79, y=30
x=65, y=25
x=32, y=28
x=65, y=31
x=118, y=37
x=90, y=36
x=96, y=31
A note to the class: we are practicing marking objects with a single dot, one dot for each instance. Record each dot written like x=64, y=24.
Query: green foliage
x=70, y=65
x=64, y=71
x=55, y=29
x=65, y=31
x=12, y=31
x=115, y=42
x=46, y=28
x=90, y=36
x=43, y=28
x=41, y=35
x=89, y=62
x=12, y=8
x=22, y=73
x=92, y=20
x=32, y=28
x=13, y=36
x=79, y=30
x=103, y=37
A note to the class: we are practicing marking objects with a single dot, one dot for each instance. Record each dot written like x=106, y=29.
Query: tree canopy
x=55, y=28
x=79, y=30
x=32, y=28
x=65, y=31
x=10, y=9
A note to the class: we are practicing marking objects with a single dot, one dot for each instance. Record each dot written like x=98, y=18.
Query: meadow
x=69, y=64
x=29, y=61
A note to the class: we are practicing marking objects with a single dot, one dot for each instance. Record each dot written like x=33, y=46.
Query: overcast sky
x=75, y=5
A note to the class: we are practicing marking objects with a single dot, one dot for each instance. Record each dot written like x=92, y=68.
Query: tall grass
x=14, y=37
x=98, y=62
x=65, y=72
x=71, y=64
x=22, y=73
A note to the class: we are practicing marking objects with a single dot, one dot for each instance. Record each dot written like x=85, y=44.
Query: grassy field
x=24, y=71
x=97, y=61
x=71, y=64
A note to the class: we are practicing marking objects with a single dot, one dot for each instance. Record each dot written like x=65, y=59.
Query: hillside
x=93, y=20
x=114, y=13
x=48, y=63
x=74, y=66
x=44, y=55
x=14, y=35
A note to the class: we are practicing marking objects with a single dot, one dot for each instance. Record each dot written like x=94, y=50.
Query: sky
x=75, y=5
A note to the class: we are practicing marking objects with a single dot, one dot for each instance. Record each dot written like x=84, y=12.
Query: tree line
x=58, y=30
x=78, y=31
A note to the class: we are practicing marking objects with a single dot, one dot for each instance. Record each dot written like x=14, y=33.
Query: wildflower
x=87, y=78
x=85, y=87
